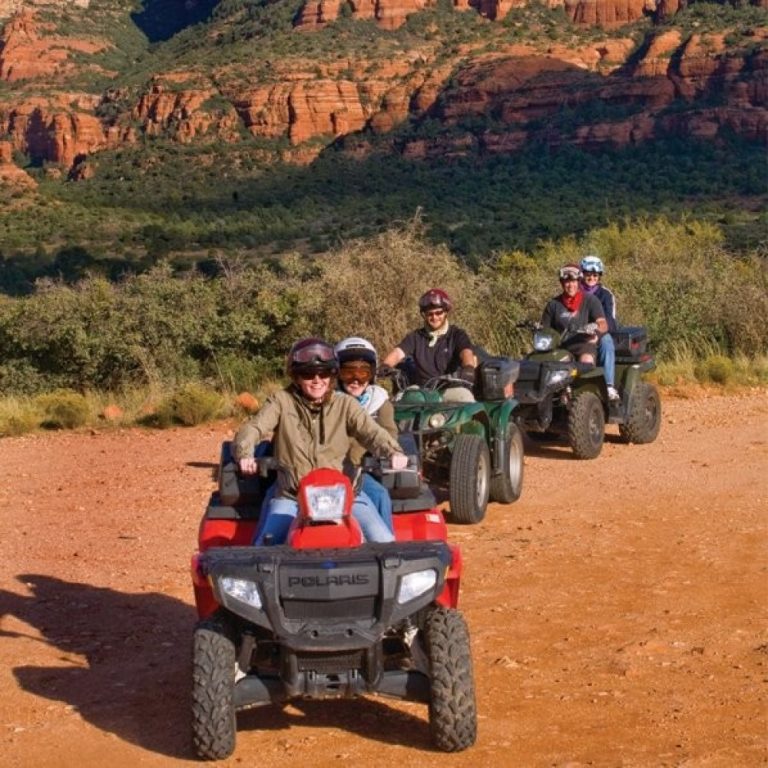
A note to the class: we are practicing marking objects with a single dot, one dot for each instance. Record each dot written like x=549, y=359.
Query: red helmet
x=437, y=298
x=311, y=354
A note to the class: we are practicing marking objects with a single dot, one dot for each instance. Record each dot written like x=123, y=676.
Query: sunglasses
x=434, y=313
x=361, y=373
x=311, y=375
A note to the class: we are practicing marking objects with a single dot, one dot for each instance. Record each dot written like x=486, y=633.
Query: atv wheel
x=644, y=417
x=586, y=425
x=213, y=685
x=452, y=708
x=508, y=486
x=469, y=479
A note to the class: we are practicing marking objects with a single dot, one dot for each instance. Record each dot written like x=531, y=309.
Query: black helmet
x=309, y=355
x=437, y=298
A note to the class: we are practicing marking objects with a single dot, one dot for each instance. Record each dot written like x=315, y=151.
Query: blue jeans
x=379, y=495
x=606, y=357
x=281, y=511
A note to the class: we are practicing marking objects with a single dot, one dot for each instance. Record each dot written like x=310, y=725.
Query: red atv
x=326, y=615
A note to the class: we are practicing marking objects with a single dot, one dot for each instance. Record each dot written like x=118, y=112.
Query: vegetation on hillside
x=232, y=330
x=185, y=205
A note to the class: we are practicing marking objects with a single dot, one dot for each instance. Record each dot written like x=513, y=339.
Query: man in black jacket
x=438, y=348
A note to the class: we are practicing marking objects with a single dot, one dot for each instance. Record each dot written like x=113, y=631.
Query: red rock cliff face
x=388, y=14
x=523, y=92
x=531, y=95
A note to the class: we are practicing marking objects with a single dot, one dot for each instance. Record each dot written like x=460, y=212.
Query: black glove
x=384, y=371
x=467, y=373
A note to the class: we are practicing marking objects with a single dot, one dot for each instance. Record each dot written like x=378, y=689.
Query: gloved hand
x=384, y=370
x=467, y=373
x=591, y=329
x=399, y=461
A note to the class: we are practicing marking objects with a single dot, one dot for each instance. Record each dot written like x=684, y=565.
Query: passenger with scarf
x=358, y=362
x=578, y=316
x=438, y=348
x=310, y=425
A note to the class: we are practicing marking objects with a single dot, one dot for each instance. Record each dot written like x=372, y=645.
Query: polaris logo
x=342, y=580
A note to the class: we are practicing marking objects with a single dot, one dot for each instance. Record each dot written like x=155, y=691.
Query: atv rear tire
x=586, y=425
x=644, y=417
x=507, y=486
x=213, y=683
x=470, y=478
x=452, y=707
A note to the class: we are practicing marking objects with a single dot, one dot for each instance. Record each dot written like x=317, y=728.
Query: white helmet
x=357, y=348
x=592, y=263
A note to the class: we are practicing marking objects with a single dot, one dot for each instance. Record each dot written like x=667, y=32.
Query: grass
x=194, y=404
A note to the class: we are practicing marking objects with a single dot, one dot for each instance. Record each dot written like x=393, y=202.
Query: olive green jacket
x=304, y=439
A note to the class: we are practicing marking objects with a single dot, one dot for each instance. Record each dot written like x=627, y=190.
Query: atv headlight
x=557, y=377
x=414, y=584
x=241, y=589
x=437, y=420
x=542, y=341
x=326, y=502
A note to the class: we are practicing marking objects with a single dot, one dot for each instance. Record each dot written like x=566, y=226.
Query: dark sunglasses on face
x=310, y=375
x=434, y=313
x=361, y=373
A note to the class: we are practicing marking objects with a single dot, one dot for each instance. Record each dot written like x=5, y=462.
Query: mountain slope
x=102, y=91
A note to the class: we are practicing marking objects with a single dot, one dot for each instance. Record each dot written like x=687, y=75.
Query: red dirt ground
x=618, y=610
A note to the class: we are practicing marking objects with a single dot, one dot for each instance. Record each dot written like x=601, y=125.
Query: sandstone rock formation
x=29, y=50
x=523, y=92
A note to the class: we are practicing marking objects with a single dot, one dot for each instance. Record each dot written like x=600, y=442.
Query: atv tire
x=213, y=683
x=470, y=477
x=644, y=416
x=507, y=486
x=586, y=425
x=452, y=707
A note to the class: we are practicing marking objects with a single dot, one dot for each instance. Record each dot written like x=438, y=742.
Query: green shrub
x=17, y=417
x=63, y=409
x=190, y=405
x=715, y=368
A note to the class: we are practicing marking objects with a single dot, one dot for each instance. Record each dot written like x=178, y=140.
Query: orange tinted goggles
x=361, y=373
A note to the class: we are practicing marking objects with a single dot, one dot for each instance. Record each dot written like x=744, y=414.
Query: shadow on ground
x=124, y=658
x=124, y=665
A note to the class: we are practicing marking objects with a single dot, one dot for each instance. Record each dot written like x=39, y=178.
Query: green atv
x=560, y=397
x=471, y=452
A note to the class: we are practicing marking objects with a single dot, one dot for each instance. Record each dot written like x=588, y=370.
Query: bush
x=63, y=409
x=716, y=368
x=190, y=405
x=17, y=417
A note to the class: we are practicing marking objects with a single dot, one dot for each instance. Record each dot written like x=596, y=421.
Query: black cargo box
x=630, y=341
x=496, y=378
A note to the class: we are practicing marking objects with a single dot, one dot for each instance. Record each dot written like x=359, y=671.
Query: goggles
x=314, y=353
x=309, y=375
x=358, y=372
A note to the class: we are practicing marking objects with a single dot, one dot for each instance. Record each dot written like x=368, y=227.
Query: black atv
x=560, y=397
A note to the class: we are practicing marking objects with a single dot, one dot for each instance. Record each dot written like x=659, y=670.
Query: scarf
x=590, y=288
x=435, y=335
x=365, y=398
x=571, y=303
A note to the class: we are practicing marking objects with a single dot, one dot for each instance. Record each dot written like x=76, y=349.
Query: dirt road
x=618, y=610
